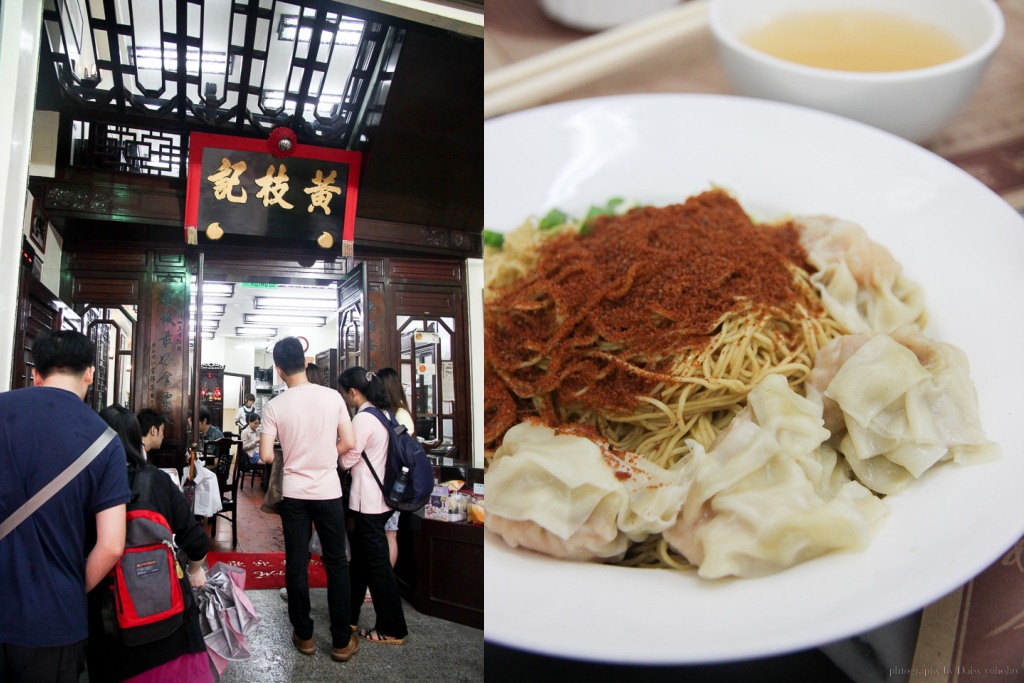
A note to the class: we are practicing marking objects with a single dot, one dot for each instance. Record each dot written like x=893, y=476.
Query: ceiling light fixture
x=217, y=289
x=274, y=99
x=256, y=331
x=348, y=32
x=208, y=335
x=294, y=304
x=208, y=309
x=150, y=58
x=265, y=318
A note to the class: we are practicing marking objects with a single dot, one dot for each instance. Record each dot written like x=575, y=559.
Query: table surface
x=978, y=625
x=986, y=139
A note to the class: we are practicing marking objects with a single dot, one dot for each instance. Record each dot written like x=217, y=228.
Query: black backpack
x=403, y=451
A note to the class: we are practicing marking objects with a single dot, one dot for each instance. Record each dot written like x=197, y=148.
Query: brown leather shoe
x=305, y=646
x=343, y=654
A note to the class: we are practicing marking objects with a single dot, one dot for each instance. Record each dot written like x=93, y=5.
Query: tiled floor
x=258, y=532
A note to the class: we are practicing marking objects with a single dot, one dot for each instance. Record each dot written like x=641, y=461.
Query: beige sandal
x=371, y=635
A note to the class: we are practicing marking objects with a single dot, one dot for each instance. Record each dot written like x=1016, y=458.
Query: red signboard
x=245, y=186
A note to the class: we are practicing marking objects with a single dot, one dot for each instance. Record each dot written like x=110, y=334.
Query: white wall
x=239, y=356
x=213, y=351
x=19, y=58
x=45, y=131
x=50, y=258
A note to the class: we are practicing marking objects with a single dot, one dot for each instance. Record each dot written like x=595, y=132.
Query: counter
x=440, y=568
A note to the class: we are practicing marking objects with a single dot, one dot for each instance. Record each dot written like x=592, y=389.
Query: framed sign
x=39, y=228
x=271, y=188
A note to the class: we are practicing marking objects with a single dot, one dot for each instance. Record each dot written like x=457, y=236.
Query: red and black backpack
x=148, y=601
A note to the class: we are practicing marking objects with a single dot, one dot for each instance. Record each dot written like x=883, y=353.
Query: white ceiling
x=242, y=302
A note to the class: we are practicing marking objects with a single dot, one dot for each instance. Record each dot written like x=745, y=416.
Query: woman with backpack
x=371, y=566
x=399, y=407
x=181, y=655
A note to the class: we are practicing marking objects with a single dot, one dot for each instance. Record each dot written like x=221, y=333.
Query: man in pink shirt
x=313, y=425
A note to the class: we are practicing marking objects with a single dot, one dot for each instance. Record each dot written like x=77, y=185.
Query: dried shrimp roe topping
x=605, y=313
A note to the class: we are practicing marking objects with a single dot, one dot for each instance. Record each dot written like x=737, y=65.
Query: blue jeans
x=371, y=567
x=297, y=518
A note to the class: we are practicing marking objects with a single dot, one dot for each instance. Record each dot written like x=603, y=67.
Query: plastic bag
x=207, y=502
x=314, y=544
x=226, y=616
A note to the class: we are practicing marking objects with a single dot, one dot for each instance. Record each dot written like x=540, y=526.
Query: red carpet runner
x=266, y=570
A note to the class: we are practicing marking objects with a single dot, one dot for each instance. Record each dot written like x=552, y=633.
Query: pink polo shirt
x=372, y=437
x=305, y=420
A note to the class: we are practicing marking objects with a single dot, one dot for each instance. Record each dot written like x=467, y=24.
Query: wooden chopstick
x=531, y=81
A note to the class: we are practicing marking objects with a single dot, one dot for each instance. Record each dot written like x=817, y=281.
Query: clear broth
x=855, y=40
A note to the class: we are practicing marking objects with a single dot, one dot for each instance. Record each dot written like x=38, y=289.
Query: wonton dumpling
x=768, y=494
x=555, y=494
x=904, y=403
x=572, y=497
x=656, y=495
x=861, y=284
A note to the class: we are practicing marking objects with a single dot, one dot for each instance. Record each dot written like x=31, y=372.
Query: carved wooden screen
x=39, y=310
x=351, y=318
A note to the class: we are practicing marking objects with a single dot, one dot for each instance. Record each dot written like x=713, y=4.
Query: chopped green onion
x=554, y=218
x=493, y=239
x=606, y=210
x=609, y=209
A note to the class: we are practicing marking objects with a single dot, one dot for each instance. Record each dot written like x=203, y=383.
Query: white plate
x=953, y=235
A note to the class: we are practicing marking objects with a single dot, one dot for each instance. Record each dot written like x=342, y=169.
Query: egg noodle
x=652, y=326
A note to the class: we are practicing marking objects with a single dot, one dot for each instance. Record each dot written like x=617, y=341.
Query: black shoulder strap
x=59, y=482
x=384, y=421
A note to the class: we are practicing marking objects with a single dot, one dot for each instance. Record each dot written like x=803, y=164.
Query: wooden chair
x=245, y=467
x=214, y=451
x=228, y=476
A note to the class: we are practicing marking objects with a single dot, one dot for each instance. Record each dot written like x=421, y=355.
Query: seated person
x=251, y=439
x=207, y=431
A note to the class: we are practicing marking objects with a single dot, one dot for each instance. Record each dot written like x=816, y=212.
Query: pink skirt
x=190, y=668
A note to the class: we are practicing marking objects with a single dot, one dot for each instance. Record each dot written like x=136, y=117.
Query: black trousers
x=371, y=568
x=42, y=664
x=297, y=516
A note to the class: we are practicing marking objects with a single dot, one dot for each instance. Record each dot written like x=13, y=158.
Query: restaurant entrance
x=143, y=306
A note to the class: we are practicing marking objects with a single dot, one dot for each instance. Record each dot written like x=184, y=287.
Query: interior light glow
x=208, y=309
x=216, y=289
x=348, y=32
x=150, y=57
x=256, y=331
x=268, y=318
x=294, y=303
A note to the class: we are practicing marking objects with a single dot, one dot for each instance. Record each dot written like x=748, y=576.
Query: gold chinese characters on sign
x=226, y=184
x=242, y=187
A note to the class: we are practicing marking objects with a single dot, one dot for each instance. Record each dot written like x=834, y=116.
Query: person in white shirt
x=245, y=411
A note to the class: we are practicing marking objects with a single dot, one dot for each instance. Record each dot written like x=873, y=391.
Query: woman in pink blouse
x=371, y=565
